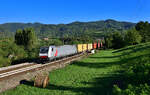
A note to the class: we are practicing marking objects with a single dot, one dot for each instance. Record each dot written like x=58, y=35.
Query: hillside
x=126, y=68
x=99, y=71
x=97, y=28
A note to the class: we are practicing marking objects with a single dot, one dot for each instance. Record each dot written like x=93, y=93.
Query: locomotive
x=53, y=52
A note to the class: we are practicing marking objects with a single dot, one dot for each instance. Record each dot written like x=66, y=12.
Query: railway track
x=20, y=70
x=15, y=67
x=25, y=67
x=12, y=76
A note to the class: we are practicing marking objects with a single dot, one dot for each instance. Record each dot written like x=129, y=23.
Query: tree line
x=139, y=34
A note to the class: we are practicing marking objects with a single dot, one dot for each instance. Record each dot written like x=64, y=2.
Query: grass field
x=94, y=75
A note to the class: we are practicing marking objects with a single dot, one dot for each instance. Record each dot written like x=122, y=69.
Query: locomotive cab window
x=52, y=49
x=44, y=50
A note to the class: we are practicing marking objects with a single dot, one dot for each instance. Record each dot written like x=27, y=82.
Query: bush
x=137, y=71
x=10, y=52
x=132, y=90
x=4, y=61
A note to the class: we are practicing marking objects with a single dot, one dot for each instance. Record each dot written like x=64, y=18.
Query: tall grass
x=137, y=70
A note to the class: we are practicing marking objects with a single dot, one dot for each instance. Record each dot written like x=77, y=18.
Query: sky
x=67, y=11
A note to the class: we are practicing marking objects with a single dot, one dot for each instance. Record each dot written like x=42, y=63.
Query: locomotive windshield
x=44, y=50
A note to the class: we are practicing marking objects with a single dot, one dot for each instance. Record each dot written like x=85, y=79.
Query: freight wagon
x=94, y=45
x=84, y=46
x=101, y=45
x=90, y=47
x=98, y=45
x=80, y=48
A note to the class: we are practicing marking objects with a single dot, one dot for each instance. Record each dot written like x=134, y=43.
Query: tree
x=144, y=30
x=108, y=40
x=132, y=37
x=140, y=26
x=117, y=41
x=26, y=38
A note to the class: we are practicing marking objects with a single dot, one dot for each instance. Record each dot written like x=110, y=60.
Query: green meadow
x=107, y=72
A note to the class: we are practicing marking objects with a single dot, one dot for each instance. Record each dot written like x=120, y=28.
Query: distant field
x=94, y=75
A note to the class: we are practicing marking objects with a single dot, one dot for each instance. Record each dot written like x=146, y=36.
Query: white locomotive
x=52, y=52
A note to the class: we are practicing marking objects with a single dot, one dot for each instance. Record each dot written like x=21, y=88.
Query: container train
x=53, y=52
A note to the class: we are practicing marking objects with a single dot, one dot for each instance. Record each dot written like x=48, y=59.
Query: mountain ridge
x=76, y=28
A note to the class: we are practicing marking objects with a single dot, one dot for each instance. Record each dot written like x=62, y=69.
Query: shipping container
x=101, y=45
x=79, y=48
x=98, y=45
x=94, y=45
x=90, y=47
x=84, y=47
